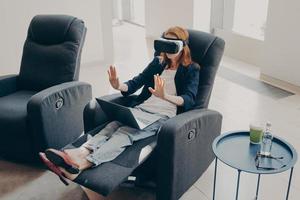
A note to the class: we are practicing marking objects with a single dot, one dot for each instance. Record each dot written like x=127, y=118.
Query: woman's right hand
x=113, y=78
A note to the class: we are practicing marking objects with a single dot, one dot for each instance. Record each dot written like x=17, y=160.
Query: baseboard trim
x=280, y=83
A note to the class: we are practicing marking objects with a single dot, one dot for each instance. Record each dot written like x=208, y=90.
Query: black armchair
x=42, y=106
x=178, y=155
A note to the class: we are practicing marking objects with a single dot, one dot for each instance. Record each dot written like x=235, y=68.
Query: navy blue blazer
x=186, y=83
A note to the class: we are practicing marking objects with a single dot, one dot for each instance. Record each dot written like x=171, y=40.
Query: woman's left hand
x=159, y=85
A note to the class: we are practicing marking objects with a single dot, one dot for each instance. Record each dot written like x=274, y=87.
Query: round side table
x=235, y=150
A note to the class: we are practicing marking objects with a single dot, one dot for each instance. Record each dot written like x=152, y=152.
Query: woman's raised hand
x=159, y=85
x=113, y=78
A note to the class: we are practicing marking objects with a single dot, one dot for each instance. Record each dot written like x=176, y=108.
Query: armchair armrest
x=95, y=117
x=56, y=114
x=184, y=149
x=8, y=84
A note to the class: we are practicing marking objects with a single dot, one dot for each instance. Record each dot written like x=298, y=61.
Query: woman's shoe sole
x=53, y=168
x=61, y=162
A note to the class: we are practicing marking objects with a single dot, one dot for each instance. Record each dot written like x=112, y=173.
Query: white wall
x=237, y=46
x=15, y=17
x=282, y=41
x=202, y=13
x=160, y=15
x=278, y=55
x=242, y=48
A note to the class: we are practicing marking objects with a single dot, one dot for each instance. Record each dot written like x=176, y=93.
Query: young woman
x=170, y=84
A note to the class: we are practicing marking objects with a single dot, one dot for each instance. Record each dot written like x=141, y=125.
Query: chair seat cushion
x=107, y=176
x=13, y=124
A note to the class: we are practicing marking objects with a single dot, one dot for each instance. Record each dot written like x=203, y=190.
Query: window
x=250, y=18
x=138, y=12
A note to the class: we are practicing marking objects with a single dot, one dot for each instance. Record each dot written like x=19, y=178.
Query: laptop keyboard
x=143, y=120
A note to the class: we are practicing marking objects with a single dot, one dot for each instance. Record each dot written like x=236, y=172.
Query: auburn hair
x=181, y=34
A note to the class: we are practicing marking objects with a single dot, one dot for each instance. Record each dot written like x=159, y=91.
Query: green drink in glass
x=256, y=133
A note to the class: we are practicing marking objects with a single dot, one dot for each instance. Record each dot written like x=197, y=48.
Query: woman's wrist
x=177, y=100
x=165, y=96
x=123, y=87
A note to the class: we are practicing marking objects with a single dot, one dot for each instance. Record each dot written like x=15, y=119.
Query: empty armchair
x=42, y=106
x=181, y=151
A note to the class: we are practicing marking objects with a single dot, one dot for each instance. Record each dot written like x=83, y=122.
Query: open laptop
x=129, y=116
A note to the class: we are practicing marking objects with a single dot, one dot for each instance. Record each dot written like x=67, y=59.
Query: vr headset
x=168, y=45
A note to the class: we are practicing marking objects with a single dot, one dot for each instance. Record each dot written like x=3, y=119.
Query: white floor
x=238, y=105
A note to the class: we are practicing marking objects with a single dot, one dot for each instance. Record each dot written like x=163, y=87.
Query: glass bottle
x=266, y=144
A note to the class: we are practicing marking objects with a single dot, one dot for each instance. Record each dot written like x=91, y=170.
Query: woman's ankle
x=86, y=164
x=85, y=151
x=78, y=156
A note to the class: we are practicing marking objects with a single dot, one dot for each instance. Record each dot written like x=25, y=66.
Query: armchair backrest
x=52, y=51
x=206, y=50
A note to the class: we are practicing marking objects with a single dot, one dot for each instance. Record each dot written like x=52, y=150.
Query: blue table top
x=235, y=150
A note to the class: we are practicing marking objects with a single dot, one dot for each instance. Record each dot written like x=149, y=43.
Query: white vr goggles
x=168, y=45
